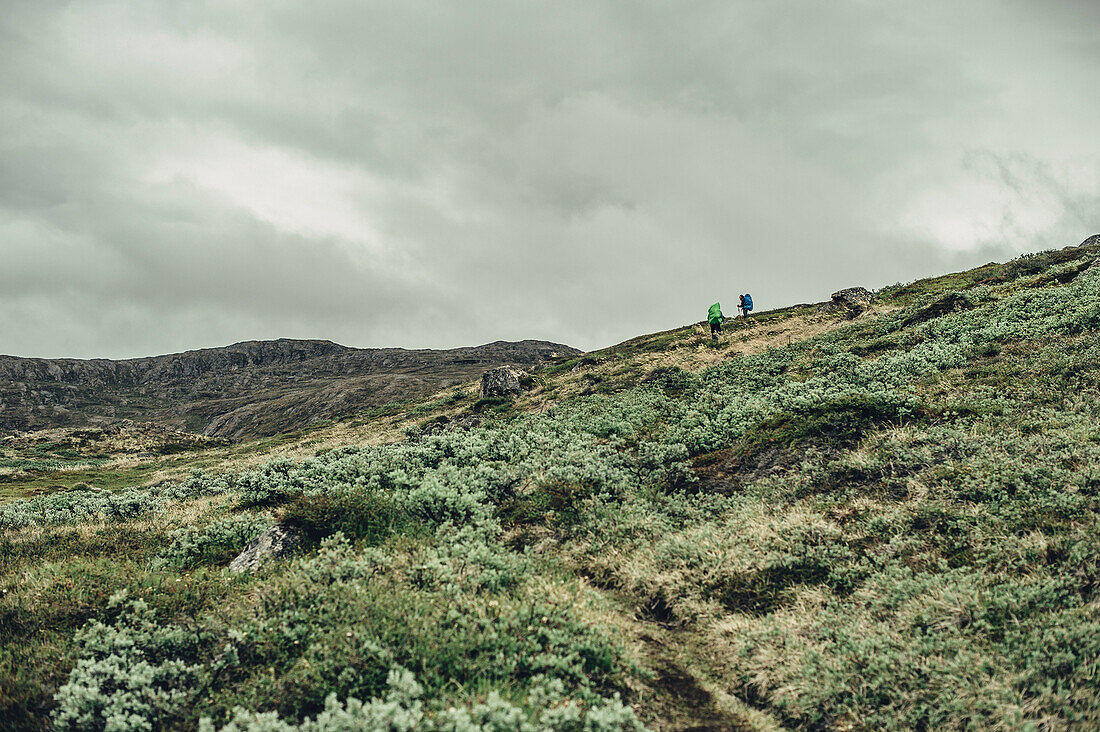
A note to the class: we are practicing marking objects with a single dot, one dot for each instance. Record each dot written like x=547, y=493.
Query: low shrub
x=491, y=404
x=555, y=502
x=403, y=710
x=840, y=422
x=367, y=515
x=130, y=675
x=673, y=379
x=215, y=543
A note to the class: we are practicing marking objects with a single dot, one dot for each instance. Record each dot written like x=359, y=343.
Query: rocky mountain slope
x=247, y=389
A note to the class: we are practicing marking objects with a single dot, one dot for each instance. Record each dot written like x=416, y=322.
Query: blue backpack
x=748, y=302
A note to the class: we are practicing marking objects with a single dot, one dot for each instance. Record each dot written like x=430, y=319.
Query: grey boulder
x=853, y=301
x=276, y=542
x=501, y=381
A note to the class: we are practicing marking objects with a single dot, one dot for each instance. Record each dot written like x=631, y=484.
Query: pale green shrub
x=129, y=675
x=403, y=710
x=400, y=711
x=89, y=505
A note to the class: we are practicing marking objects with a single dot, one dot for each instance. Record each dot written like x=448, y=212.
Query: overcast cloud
x=178, y=175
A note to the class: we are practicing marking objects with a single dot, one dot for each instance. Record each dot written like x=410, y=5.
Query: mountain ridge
x=249, y=388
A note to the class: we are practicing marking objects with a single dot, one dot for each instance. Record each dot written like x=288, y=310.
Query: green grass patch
x=840, y=422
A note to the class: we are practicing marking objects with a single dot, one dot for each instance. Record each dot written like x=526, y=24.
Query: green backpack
x=715, y=314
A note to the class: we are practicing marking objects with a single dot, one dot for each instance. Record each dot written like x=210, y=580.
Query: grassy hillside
x=880, y=522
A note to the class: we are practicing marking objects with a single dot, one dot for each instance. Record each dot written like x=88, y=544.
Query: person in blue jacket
x=744, y=304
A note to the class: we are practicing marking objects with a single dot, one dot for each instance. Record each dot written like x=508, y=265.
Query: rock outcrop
x=854, y=297
x=501, y=381
x=851, y=301
x=278, y=541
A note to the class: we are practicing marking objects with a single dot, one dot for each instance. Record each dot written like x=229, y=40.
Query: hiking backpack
x=714, y=315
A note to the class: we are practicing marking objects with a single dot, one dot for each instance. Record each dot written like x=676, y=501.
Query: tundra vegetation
x=883, y=522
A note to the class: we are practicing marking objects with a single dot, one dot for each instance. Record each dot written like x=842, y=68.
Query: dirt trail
x=681, y=695
x=754, y=339
x=681, y=700
x=682, y=704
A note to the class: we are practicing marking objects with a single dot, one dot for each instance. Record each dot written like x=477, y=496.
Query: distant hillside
x=247, y=389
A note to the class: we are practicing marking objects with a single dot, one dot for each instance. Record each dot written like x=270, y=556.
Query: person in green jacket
x=715, y=318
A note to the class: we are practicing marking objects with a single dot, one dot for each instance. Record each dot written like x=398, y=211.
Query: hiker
x=744, y=304
x=715, y=318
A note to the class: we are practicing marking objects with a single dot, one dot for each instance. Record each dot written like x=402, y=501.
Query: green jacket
x=715, y=314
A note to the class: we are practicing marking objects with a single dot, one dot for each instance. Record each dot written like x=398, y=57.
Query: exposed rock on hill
x=501, y=381
x=247, y=389
x=853, y=300
x=277, y=542
x=854, y=297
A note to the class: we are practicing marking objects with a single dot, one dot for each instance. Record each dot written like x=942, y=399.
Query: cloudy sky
x=176, y=175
